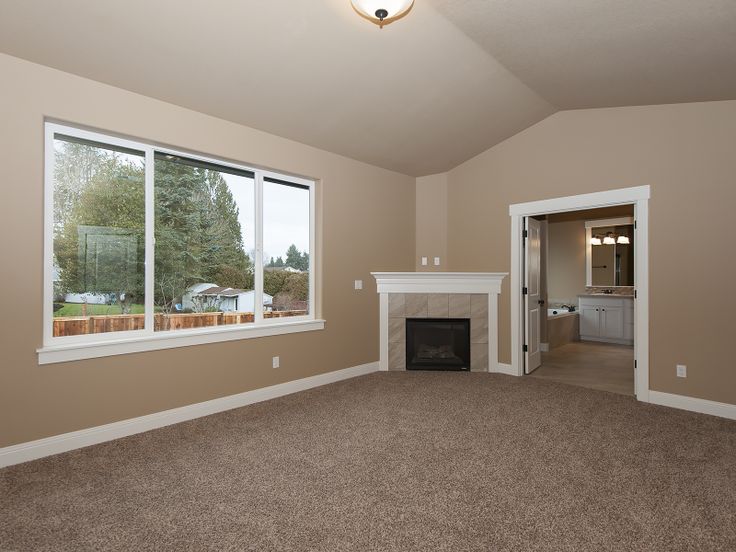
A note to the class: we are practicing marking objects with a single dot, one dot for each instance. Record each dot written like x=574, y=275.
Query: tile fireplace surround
x=472, y=295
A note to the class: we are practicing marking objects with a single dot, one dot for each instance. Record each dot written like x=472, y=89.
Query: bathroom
x=587, y=289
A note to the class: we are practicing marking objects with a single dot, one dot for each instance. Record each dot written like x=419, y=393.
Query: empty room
x=367, y=275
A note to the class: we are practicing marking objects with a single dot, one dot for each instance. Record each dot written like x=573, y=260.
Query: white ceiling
x=605, y=53
x=424, y=94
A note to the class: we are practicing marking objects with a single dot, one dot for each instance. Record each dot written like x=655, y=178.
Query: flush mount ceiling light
x=382, y=12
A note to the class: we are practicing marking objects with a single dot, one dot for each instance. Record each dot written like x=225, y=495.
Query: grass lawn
x=75, y=309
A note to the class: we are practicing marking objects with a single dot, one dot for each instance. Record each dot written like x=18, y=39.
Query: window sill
x=80, y=351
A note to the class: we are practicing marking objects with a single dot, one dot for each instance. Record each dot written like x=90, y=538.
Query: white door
x=532, y=279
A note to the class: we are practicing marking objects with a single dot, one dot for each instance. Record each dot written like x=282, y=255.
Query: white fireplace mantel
x=488, y=283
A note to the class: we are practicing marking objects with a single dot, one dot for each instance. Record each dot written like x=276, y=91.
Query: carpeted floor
x=394, y=461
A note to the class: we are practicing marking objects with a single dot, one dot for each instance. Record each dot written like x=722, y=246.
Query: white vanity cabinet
x=609, y=319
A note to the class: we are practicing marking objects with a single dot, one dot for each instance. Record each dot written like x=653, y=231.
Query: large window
x=146, y=243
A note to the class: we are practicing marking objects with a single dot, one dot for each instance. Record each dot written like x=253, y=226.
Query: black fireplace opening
x=437, y=344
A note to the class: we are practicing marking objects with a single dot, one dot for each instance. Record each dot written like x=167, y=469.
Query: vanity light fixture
x=609, y=239
x=623, y=239
x=595, y=240
x=382, y=12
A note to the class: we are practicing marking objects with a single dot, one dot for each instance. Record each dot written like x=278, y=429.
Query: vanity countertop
x=614, y=295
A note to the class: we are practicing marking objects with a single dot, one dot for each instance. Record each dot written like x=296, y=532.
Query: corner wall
x=365, y=223
x=685, y=152
x=431, y=222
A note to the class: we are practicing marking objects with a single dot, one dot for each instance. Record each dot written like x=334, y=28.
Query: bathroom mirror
x=610, y=252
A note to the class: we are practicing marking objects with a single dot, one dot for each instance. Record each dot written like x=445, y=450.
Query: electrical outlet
x=436, y=261
x=275, y=362
x=681, y=371
x=424, y=261
x=358, y=284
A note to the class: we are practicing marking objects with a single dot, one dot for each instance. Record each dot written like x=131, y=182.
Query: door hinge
x=525, y=234
x=636, y=295
x=635, y=364
x=634, y=225
x=526, y=348
x=524, y=291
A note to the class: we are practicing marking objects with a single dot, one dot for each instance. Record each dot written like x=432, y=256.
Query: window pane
x=205, y=238
x=99, y=238
x=286, y=249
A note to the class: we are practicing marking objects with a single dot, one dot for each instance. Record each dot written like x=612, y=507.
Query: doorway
x=601, y=333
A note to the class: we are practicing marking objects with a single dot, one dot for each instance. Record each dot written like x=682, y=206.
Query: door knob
x=541, y=302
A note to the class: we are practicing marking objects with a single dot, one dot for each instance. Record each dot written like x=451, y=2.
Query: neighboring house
x=224, y=299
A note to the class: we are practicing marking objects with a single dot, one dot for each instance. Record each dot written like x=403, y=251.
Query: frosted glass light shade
x=608, y=240
x=382, y=12
x=623, y=239
x=595, y=241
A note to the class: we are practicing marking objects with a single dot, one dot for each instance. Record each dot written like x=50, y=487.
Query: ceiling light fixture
x=382, y=12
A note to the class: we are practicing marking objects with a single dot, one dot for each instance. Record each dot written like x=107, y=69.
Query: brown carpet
x=394, y=461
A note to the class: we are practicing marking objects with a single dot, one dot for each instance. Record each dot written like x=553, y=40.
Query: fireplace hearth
x=438, y=344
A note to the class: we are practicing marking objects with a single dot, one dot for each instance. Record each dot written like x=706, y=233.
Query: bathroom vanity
x=606, y=318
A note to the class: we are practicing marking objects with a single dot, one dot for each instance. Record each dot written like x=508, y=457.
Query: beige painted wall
x=431, y=221
x=367, y=224
x=566, y=262
x=685, y=152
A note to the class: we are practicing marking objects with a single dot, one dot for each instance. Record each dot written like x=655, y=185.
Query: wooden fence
x=83, y=325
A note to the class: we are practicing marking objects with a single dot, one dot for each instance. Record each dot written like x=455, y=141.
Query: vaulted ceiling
x=420, y=96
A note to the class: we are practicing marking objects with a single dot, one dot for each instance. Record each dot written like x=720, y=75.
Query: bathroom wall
x=566, y=263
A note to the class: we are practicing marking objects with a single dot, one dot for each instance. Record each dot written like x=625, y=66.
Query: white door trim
x=639, y=196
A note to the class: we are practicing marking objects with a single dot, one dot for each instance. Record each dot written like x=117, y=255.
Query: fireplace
x=438, y=344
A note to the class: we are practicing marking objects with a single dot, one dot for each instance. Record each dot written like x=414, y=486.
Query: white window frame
x=68, y=348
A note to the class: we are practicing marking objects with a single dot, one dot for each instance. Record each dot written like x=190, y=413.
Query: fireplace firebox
x=438, y=344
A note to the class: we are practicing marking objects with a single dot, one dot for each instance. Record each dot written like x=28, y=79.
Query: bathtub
x=552, y=313
x=562, y=327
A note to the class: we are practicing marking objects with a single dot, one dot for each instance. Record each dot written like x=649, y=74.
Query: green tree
x=99, y=222
x=198, y=234
x=293, y=256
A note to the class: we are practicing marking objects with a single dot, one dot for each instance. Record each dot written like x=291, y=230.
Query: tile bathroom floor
x=602, y=366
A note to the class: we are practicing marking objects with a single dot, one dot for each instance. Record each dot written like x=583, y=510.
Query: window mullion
x=149, y=239
x=258, y=261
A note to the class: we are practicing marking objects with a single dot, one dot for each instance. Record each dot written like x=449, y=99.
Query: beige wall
x=566, y=262
x=685, y=152
x=431, y=221
x=367, y=224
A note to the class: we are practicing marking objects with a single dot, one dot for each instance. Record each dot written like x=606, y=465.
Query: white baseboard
x=723, y=410
x=33, y=450
x=507, y=369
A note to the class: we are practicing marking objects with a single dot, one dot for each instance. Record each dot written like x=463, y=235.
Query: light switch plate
x=424, y=261
x=358, y=284
x=275, y=362
x=436, y=261
x=681, y=371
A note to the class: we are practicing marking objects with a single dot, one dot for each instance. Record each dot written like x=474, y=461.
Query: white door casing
x=533, y=309
x=639, y=196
